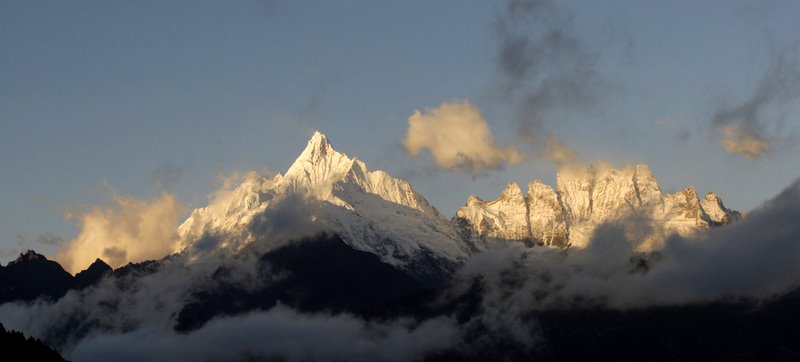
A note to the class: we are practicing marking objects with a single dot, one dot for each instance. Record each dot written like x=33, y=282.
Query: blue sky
x=154, y=96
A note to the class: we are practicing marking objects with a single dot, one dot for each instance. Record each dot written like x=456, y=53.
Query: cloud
x=133, y=317
x=561, y=153
x=50, y=239
x=131, y=230
x=745, y=126
x=665, y=122
x=167, y=174
x=757, y=257
x=681, y=135
x=543, y=68
x=279, y=333
x=744, y=141
x=458, y=137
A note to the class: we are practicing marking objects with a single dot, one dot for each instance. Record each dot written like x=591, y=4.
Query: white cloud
x=458, y=137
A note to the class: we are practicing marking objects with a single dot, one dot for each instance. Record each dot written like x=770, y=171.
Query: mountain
x=30, y=276
x=330, y=236
x=716, y=211
x=725, y=330
x=92, y=274
x=585, y=198
x=327, y=191
x=319, y=273
x=33, y=276
x=14, y=345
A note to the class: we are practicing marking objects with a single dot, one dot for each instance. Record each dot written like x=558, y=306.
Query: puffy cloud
x=458, y=137
x=743, y=141
x=131, y=230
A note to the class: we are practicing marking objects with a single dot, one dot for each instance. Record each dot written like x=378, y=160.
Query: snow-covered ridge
x=325, y=190
x=585, y=198
x=369, y=210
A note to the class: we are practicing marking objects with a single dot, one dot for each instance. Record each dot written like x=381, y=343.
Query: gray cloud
x=167, y=174
x=277, y=333
x=543, y=67
x=132, y=318
x=757, y=257
x=745, y=127
x=50, y=239
x=683, y=135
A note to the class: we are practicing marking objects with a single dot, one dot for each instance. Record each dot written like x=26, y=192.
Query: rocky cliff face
x=505, y=218
x=584, y=199
x=716, y=211
x=546, y=217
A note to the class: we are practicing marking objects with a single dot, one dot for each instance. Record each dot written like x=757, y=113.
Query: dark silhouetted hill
x=33, y=276
x=315, y=274
x=14, y=346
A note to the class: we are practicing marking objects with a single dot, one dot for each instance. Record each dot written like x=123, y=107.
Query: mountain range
x=329, y=235
x=374, y=212
x=325, y=191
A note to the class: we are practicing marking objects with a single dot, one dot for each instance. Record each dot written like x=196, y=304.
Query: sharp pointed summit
x=370, y=210
x=318, y=167
x=317, y=149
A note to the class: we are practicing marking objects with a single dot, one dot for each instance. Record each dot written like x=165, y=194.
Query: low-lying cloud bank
x=278, y=333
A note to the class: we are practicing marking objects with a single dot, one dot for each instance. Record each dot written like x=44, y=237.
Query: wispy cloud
x=745, y=127
x=544, y=67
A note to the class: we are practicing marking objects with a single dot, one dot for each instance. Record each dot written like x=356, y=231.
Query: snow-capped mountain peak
x=717, y=212
x=374, y=212
x=317, y=168
x=586, y=197
x=370, y=210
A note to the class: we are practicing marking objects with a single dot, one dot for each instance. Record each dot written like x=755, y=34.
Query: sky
x=150, y=97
